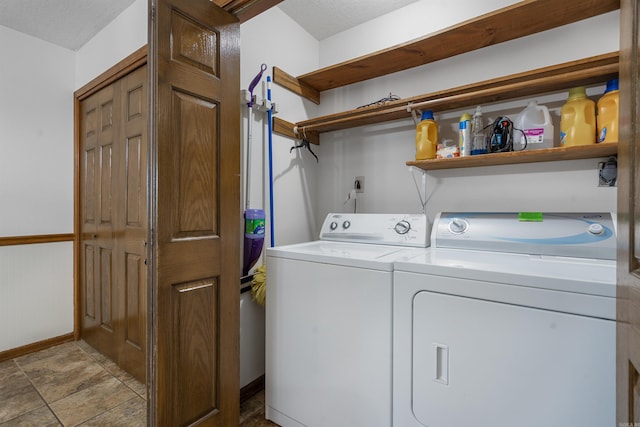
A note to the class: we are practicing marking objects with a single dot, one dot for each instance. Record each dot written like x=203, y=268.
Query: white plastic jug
x=536, y=124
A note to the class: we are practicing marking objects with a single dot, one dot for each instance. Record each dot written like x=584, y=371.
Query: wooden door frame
x=121, y=69
x=628, y=323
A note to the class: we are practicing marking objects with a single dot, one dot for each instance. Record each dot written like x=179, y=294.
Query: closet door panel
x=88, y=209
x=108, y=114
x=113, y=185
x=132, y=224
x=98, y=144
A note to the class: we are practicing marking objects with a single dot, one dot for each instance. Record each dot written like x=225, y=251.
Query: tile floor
x=73, y=385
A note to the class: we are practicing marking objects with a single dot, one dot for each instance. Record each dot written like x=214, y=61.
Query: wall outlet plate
x=358, y=184
x=608, y=172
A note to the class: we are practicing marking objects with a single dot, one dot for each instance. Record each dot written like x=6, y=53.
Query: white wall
x=410, y=22
x=379, y=152
x=36, y=136
x=274, y=39
x=36, y=298
x=36, y=188
x=123, y=36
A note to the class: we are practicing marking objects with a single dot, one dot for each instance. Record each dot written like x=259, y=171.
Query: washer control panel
x=382, y=229
x=584, y=235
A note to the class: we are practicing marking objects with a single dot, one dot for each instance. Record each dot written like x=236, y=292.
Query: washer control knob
x=333, y=225
x=458, y=226
x=596, y=228
x=402, y=227
x=346, y=224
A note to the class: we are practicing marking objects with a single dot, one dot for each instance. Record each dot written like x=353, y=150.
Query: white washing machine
x=328, y=321
x=507, y=320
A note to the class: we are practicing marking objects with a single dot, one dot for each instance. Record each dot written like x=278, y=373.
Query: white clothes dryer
x=506, y=322
x=328, y=321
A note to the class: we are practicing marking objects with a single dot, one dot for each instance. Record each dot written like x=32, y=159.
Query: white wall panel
x=36, y=136
x=274, y=39
x=36, y=293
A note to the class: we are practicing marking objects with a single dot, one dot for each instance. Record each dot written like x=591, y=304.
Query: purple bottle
x=253, y=238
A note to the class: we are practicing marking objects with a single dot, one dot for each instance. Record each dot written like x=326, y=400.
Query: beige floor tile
x=87, y=348
x=112, y=398
x=42, y=417
x=90, y=402
x=132, y=413
x=58, y=351
x=7, y=369
x=61, y=374
x=17, y=395
x=137, y=386
x=252, y=412
x=114, y=369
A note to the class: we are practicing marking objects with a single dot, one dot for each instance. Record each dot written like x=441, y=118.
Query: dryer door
x=477, y=362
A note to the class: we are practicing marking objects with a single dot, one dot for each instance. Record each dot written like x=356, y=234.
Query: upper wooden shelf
x=584, y=72
x=514, y=157
x=519, y=20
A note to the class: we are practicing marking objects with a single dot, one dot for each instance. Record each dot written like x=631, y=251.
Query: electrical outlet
x=608, y=172
x=358, y=184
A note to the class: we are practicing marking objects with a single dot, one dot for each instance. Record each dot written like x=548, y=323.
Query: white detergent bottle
x=535, y=122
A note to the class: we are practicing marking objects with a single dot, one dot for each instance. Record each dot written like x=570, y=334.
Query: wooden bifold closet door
x=113, y=221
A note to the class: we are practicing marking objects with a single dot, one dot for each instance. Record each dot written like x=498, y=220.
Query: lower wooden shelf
x=515, y=157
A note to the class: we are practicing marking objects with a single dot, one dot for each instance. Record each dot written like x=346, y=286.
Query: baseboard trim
x=252, y=388
x=36, y=346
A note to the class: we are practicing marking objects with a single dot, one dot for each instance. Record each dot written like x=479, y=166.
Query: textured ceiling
x=66, y=23
x=324, y=18
x=71, y=23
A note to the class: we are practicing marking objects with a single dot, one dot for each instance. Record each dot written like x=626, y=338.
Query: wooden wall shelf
x=584, y=72
x=519, y=20
x=533, y=156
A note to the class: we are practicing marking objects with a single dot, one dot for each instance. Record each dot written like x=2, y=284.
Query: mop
x=259, y=282
x=254, y=218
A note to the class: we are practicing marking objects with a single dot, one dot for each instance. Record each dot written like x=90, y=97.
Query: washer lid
x=578, y=275
x=376, y=257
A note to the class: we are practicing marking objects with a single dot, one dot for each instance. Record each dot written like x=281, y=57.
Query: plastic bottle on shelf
x=253, y=238
x=578, y=119
x=479, y=143
x=607, y=119
x=534, y=122
x=464, y=130
x=426, y=137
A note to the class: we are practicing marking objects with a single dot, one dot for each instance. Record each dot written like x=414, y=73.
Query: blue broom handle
x=270, y=130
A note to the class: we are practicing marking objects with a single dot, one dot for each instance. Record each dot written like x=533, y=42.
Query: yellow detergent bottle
x=578, y=119
x=426, y=137
x=607, y=119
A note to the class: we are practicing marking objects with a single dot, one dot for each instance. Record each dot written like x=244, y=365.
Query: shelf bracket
x=415, y=112
x=288, y=129
x=296, y=86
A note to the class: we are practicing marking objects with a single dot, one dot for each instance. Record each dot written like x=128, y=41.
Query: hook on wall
x=304, y=143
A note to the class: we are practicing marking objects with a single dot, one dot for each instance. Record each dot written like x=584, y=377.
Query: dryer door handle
x=441, y=358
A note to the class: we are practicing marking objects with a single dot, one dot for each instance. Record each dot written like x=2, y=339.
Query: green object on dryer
x=530, y=216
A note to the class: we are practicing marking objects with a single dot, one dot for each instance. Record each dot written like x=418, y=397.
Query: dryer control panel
x=582, y=235
x=381, y=229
